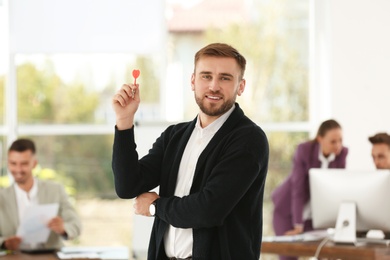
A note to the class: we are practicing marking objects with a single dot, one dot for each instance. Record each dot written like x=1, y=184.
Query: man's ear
x=193, y=82
x=241, y=87
x=35, y=163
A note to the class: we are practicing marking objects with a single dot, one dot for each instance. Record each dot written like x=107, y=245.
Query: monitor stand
x=345, y=231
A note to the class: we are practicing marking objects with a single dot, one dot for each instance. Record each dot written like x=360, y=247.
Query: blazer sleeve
x=132, y=177
x=8, y=213
x=2, y=218
x=299, y=183
x=67, y=212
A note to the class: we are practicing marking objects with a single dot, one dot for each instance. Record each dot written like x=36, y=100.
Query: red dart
x=136, y=75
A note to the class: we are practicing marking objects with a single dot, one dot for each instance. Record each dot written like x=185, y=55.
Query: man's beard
x=20, y=179
x=214, y=110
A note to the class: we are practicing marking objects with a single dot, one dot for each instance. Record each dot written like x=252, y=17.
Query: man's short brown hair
x=22, y=144
x=380, y=138
x=222, y=50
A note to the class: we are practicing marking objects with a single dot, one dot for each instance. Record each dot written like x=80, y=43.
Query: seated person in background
x=380, y=150
x=291, y=199
x=27, y=191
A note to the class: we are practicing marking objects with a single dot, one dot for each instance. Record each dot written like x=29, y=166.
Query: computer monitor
x=350, y=201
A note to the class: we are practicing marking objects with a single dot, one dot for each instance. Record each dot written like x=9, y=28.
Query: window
x=64, y=97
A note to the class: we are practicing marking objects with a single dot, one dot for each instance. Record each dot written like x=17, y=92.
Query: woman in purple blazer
x=291, y=199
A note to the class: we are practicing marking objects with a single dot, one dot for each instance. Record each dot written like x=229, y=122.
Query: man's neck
x=27, y=186
x=206, y=120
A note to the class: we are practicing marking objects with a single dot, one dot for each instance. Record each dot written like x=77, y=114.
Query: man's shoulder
x=7, y=190
x=244, y=126
x=3, y=191
x=179, y=127
x=7, y=193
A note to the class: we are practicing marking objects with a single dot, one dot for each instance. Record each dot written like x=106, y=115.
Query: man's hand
x=125, y=103
x=142, y=203
x=12, y=243
x=56, y=224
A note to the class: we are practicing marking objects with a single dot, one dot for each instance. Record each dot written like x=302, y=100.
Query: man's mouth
x=18, y=175
x=213, y=97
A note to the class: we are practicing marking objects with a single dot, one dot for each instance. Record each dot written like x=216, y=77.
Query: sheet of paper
x=314, y=235
x=103, y=252
x=33, y=226
x=91, y=255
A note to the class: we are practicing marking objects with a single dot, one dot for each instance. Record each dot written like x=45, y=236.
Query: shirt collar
x=31, y=195
x=214, y=126
x=328, y=159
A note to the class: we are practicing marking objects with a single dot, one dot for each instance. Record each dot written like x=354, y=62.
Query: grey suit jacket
x=48, y=192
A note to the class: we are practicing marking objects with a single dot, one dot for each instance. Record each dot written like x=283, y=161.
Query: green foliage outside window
x=44, y=98
x=81, y=162
x=277, y=60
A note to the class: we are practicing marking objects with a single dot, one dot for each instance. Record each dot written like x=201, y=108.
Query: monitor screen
x=368, y=190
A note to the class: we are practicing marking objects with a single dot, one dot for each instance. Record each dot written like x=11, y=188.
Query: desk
x=18, y=256
x=105, y=253
x=329, y=250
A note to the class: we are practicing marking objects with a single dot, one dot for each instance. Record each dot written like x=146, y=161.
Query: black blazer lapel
x=179, y=154
x=225, y=129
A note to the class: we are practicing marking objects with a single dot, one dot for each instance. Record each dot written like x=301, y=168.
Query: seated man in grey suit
x=380, y=150
x=28, y=190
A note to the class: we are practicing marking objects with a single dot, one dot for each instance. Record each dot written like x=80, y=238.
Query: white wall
x=358, y=71
x=72, y=26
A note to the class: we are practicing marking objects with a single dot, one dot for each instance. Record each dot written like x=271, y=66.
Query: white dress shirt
x=178, y=241
x=25, y=199
x=325, y=161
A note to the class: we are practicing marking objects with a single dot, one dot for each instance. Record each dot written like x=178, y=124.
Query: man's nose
x=18, y=168
x=214, y=85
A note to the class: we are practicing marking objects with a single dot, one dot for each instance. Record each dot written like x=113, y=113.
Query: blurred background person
x=292, y=215
x=27, y=191
x=380, y=150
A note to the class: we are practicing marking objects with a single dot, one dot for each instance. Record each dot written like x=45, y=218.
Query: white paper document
x=33, y=226
x=313, y=235
x=80, y=255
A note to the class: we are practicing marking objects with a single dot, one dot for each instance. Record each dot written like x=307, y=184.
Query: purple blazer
x=292, y=195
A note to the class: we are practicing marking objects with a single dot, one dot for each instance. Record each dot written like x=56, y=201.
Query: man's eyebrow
x=226, y=74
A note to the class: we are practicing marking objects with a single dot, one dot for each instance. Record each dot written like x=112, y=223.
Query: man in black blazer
x=211, y=171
